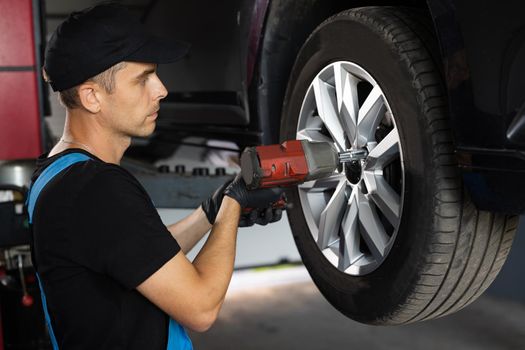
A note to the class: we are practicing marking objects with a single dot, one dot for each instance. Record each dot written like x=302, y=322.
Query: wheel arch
x=488, y=155
x=281, y=39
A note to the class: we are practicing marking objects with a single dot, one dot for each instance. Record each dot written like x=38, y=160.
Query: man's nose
x=160, y=89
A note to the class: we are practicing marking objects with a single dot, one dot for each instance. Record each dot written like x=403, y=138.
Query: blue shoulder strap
x=47, y=175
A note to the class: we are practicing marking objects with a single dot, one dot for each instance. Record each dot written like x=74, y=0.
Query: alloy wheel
x=353, y=215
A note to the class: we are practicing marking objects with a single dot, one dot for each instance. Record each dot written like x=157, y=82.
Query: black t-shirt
x=97, y=236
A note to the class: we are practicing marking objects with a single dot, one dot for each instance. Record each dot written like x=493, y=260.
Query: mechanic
x=112, y=275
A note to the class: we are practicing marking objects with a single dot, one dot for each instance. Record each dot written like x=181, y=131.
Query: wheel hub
x=353, y=171
x=353, y=161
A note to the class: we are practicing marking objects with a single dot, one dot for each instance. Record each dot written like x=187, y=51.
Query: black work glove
x=212, y=205
x=260, y=216
x=256, y=199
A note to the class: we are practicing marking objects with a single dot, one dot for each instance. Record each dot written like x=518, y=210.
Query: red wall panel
x=20, y=119
x=16, y=33
x=19, y=116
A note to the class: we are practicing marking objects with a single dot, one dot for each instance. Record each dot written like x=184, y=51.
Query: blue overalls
x=177, y=336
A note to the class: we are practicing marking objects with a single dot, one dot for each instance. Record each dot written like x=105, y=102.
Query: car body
x=232, y=84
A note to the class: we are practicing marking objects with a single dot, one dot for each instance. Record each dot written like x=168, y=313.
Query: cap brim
x=159, y=50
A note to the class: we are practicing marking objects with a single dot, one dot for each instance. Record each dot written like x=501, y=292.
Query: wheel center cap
x=353, y=171
x=353, y=162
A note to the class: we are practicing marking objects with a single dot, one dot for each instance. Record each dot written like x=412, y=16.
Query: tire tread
x=467, y=247
x=468, y=259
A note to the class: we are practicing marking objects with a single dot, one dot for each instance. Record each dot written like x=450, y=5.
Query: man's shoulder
x=92, y=175
x=108, y=188
x=102, y=175
x=97, y=168
x=86, y=167
x=91, y=178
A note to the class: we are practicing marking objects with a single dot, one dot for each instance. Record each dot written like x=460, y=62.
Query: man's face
x=132, y=108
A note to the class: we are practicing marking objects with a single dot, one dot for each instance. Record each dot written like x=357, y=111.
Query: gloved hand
x=259, y=198
x=212, y=205
x=260, y=216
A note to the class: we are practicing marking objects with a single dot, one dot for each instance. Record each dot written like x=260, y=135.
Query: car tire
x=443, y=253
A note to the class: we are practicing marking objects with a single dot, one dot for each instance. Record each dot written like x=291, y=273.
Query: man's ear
x=89, y=97
x=45, y=76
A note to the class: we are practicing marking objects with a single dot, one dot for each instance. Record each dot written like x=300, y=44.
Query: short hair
x=69, y=98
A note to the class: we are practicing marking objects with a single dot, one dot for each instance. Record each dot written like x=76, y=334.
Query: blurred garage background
x=272, y=302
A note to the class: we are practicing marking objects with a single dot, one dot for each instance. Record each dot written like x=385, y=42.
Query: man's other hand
x=260, y=216
x=260, y=201
x=212, y=205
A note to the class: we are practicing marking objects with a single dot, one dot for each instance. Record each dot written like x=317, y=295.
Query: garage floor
x=296, y=316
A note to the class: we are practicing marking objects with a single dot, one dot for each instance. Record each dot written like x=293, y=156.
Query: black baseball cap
x=92, y=40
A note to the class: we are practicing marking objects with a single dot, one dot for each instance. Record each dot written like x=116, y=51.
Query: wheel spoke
x=371, y=228
x=313, y=134
x=369, y=116
x=347, y=101
x=332, y=253
x=385, y=151
x=383, y=195
x=324, y=184
x=351, y=252
x=327, y=108
x=330, y=220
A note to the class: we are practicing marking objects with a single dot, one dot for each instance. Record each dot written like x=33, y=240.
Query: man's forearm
x=190, y=230
x=192, y=293
x=215, y=261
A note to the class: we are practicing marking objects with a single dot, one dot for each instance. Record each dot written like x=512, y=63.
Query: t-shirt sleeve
x=118, y=231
